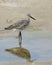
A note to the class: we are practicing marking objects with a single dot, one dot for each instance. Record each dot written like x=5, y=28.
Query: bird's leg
x=20, y=39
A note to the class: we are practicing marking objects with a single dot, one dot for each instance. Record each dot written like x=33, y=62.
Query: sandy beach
x=42, y=11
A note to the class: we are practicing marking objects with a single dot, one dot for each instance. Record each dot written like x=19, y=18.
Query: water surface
x=39, y=43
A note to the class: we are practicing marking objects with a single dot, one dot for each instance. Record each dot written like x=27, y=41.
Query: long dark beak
x=32, y=17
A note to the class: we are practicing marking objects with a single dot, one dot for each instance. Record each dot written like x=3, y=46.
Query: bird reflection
x=20, y=52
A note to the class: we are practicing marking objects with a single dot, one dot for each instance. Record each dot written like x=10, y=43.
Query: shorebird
x=21, y=24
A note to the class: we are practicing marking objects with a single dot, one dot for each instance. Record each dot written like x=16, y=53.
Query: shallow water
x=39, y=45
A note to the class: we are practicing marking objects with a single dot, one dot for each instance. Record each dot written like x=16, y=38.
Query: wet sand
x=36, y=63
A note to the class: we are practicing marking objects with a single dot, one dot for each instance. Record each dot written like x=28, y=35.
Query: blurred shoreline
x=14, y=34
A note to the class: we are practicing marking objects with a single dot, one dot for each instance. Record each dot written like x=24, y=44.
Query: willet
x=21, y=24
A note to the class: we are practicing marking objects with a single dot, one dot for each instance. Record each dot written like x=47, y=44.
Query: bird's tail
x=9, y=27
x=6, y=28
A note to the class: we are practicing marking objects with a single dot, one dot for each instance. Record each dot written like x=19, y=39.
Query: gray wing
x=18, y=25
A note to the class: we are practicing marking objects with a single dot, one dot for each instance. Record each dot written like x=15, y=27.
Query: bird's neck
x=28, y=19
